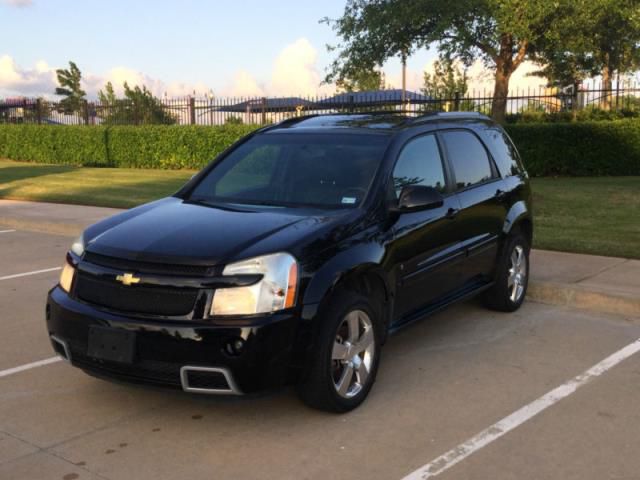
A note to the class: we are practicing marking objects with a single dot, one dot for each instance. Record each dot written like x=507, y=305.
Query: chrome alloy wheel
x=517, y=273
x=353, y=354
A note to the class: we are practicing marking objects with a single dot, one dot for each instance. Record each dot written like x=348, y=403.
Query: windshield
x=314, y=170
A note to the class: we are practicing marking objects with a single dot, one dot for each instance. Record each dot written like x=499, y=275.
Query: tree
x=138, y=107
x=599, y=37
x=446, y=80
x=362, y=80
x=502, y=33
x=70, y=87
x=449, y=84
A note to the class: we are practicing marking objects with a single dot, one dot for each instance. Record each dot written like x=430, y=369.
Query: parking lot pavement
x=440, y=383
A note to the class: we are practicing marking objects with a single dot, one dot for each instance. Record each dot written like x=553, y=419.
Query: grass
x=595, y=215
x=104, y=187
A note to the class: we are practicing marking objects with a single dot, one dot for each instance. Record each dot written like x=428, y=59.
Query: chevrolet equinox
x=292, y=256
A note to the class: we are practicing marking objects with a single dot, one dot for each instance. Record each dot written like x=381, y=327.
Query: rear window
x=318, y=170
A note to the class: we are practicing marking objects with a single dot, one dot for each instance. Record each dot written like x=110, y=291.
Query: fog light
x=234, y=347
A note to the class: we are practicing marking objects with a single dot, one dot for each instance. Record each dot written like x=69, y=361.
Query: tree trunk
x=500, y=93
x=607, y=84
x=505, y=66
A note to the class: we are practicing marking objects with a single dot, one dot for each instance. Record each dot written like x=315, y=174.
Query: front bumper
x=185, y=354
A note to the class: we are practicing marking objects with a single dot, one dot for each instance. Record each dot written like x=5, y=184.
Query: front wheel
x=512, y=276
x=346, y=359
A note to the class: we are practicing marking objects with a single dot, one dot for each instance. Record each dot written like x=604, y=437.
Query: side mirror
x=419, y=197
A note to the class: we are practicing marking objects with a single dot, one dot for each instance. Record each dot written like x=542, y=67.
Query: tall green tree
x=362, y=80
x=449, y=84
x=599, y=37
x=502, y=33
x=138, y=107
x=446, y=80
x=69, y=81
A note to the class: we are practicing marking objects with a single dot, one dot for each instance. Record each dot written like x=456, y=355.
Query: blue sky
x=226, y=46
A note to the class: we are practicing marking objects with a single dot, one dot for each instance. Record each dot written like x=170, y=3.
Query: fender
x=359, y=258
x=516, y=213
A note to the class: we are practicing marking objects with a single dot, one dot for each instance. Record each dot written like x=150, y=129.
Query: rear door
x=481, y=194
x=425, y=248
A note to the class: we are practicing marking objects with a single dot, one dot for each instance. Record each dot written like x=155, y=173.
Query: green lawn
x=104, y=187
x=587, y=215
x=597, y=215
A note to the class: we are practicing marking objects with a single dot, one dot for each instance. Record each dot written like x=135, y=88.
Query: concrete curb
x=582, y=298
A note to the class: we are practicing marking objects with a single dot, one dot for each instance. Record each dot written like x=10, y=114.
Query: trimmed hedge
x=579, y=149
x=571, y=149
x=68, y=145
x=170, y=147
x=154, y=146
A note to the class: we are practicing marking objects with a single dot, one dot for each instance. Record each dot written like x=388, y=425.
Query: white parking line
x=26, y=274
x=495, y=431
x=6, y=231
x=29, y=366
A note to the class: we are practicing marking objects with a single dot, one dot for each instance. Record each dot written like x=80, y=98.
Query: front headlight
x=276, y=290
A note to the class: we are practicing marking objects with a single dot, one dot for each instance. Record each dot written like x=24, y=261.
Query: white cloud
x=18, y=3
x=244, y=85
x=294, y=72
x=15, y=80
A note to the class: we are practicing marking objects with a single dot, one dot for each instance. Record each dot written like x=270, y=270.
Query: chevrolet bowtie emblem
x=127, y=279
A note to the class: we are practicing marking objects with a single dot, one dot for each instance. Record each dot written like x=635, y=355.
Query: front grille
x=135, y=298
x=147, y=267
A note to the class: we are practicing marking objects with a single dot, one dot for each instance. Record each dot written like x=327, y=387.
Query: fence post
x=39, y=111
x=85, y=112
x=456, y=102
x=264, y=111
x=192, y=110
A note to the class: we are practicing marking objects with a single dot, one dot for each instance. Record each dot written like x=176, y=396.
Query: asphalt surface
x=440, y=383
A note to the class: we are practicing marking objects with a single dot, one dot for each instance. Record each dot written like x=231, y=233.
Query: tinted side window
x=419, y=163
x=468, y=157
x=504, y=152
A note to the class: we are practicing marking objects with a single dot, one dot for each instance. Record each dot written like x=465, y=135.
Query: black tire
x=501, y=296
x=318, y=388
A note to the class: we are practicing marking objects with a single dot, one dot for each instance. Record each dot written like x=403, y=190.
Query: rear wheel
x=345, y=363
x=512, y=276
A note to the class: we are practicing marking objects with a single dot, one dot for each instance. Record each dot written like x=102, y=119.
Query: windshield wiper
x=210, y=203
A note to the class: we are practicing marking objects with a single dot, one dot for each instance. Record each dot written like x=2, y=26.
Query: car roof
x=371, y=122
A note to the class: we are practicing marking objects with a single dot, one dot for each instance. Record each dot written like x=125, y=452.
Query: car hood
x=175, y=231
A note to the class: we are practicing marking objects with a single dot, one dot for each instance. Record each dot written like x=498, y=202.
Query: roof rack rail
x=444, y=115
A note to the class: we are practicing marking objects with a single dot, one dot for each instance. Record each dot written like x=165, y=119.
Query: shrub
x=170, y=147
x=579, y=148
x=70, y=145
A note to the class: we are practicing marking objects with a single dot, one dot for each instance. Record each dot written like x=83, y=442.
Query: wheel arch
x=519, y=218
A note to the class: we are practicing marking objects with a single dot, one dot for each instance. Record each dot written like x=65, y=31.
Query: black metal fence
x=624, y=99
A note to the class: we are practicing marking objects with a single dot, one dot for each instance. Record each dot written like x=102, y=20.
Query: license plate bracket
x=111, y=344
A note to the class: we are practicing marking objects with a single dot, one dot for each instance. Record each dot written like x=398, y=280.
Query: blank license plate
x=111, y=344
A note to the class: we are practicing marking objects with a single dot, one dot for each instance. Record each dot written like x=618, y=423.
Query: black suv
x=291, y=257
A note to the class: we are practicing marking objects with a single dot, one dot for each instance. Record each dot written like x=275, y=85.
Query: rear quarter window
x=504, y=152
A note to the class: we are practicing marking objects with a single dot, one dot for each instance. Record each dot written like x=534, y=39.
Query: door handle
x=452, y=213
